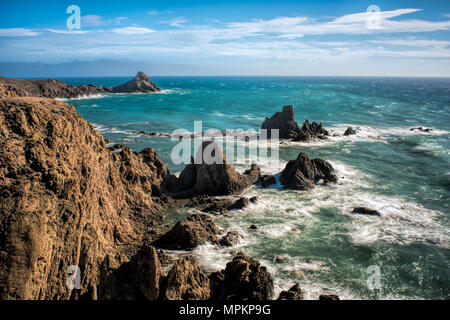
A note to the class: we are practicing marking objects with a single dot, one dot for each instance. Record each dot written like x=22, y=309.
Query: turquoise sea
x=404, y=174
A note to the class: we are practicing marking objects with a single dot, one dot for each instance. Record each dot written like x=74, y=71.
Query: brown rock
x=197, y=229
x=302, y=173
x=216, y=280
x=216, y=178
x=246, y=279
x=67, y=200
x=294, y=293
x=186, y=281
x=52, y=88
x=284, y=122
x=230, y=239
x=267, y=180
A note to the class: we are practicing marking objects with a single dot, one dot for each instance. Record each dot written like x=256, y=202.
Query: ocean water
x=404, y=174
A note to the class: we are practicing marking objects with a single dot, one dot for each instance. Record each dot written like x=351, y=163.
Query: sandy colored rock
x=186, y=281
x=67, y=200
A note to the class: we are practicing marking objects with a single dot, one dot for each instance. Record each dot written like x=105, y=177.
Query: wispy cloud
x=93, y=20
x=18, y=32
x=176, y=22
x=129, y=31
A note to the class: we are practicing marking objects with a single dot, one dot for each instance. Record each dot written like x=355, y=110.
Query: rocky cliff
x=52, y=88
x=67, y=200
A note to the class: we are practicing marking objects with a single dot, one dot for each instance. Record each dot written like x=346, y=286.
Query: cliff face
x=67, y=200
x=52, y=88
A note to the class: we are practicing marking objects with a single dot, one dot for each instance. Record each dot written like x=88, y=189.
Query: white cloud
x=176, y=22
x=128, y=31
x=59, y=31
x=18, y=32
x=152, y=12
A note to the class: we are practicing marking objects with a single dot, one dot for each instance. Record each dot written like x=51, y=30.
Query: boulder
x=302, y=173
x=216, y=280
x=204, y=178
x=284, y=122
x=230, y=239
x=311, y=131
x=267, y=180
x=294, y=293
x=186, y=281
x=366, y=211
x=246, y=279
x=224, y=205
x=349, y=131
x=253, y=227
x=197, y=229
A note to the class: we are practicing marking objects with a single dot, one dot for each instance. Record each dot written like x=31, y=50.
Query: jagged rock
x=67, y=200
x=366, y=211
x=216, y=280
x=284, y=122
x=186, y=281
x=52, y=88
x=311, y=131
x=209, y=176
x=267, y=180
x=294, y=293
x=328, y=297
x=246, y=279
x=230, y=239
x=197, y=229
x=302, y=173
x=349, y=131
x=140, y=83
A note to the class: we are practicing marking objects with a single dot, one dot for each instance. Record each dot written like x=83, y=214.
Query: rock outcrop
x=283, y=122
x=186, y=281
x=311, y=131
x=267, y=180
x=328, y=297
x=243, y=279
x=230, y=239
x=302, y=173
x=197, y=229
x=288, y=128
x=294, y=293
x=349, y=131
x=224, y=205
x=209, y=174
x=140, y=83
x=52, y=88
x=67, y=200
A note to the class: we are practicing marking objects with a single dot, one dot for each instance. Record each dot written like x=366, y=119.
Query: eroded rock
x=283, y=122
x=294, y=293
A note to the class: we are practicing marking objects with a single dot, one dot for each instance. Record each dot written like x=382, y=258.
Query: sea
x=404, y=174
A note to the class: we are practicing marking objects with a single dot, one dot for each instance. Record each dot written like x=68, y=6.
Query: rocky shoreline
x=68, y=200
x=52, y=88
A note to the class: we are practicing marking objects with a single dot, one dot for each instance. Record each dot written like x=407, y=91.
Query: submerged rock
x=349, y=131
x=367, y=211
x=186, y=281
x=302, y=173
x=294, y=293
x=284, y=122
x=202, y=177
x=422, y=129
x=253, y=227
x=197, y=229
x=224, y=205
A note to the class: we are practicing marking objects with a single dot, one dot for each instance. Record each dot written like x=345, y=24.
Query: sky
x=214, y=37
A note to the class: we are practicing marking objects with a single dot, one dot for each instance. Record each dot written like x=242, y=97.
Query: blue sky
x=225, y=38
